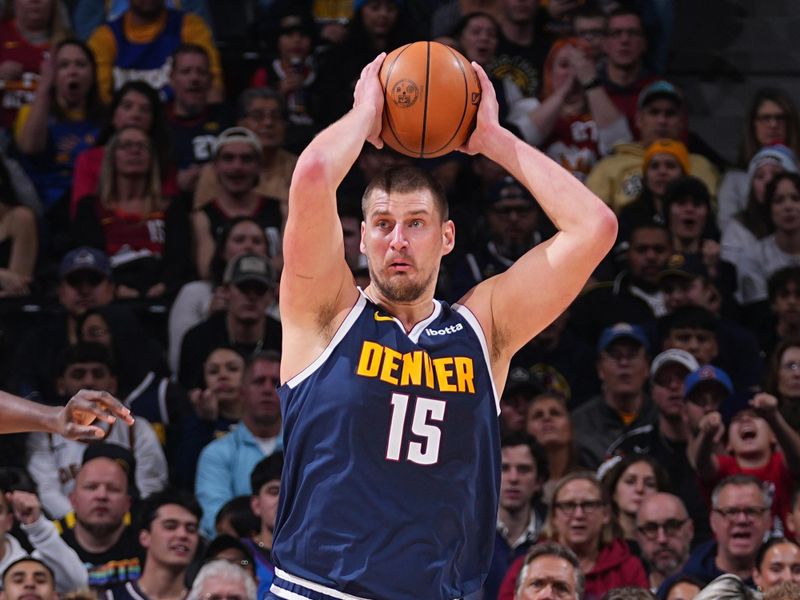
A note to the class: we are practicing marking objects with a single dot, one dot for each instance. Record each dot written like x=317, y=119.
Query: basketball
x=431, y=98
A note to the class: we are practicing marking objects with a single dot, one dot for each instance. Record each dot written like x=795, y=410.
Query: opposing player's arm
x=516, y=305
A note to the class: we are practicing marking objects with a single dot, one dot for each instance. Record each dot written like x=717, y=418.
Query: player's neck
x=408, y=313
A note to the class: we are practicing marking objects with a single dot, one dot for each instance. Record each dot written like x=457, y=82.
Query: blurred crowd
x=650, y=434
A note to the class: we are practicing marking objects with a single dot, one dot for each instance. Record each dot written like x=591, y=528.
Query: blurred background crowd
x=146, y=153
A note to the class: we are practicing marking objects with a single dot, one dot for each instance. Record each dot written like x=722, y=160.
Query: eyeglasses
x=770, y=117
x=671, y=527
x=790, y=366
x=630, y=32
x=588, y=507
x=749, y=512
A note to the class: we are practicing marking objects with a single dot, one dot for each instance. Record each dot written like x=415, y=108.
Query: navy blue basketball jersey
x=392, y=460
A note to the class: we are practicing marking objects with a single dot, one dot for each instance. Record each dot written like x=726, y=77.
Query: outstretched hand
x=75, y=420
x=369, y=92
x=488, y=117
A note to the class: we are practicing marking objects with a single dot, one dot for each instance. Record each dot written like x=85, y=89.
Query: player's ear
x=448, y=237
x=361, y=244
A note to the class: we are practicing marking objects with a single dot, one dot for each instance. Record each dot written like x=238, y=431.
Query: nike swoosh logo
x=380, y=317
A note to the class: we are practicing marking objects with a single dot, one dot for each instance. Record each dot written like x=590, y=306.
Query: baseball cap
x=249, y=267
x=620, y=331
x=706, y=374
x=668, y=146
x=120, y=455
x=521, y=380
x=659, y=89
x=237, y=135
x=85, y=259
x=683, y=266
x=674, y=355
x=508, y=189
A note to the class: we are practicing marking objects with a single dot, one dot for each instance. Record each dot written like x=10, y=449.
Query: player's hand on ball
x=369, y=92
x=488, y=119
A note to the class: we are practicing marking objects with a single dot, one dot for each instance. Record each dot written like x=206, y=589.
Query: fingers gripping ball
x=432, y=96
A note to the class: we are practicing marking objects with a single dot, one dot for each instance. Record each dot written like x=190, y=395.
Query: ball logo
x=446, y=330
x=405, y=93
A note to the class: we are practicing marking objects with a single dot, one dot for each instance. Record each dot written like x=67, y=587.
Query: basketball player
x=389, y=397
x=73, y=421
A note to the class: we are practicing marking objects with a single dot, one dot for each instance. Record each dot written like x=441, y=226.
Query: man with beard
x=99, y=527
x=389, y=396
x=664, y=533
x=194, y=123
x=512, y=216
x=169, y=536
x=237, y=163
x=140, y=43
x=225, y=465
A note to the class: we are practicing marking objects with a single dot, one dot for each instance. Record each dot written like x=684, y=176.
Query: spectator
x=778, y=561
x=549, y=423
x=146, y=235
x=236, y=519
x=706, y=389
x=624, y=74
x=244, y=326
x=139, y=44
x=225, y=465
x=623, y=404
x=26, y=577
x=727, y=587
x=522, y=46
x=230, y=549
x=629, y=481
x=740, y=520
x=193, y=121
x=221, y=579
x=521, y=388
x=19, y=240
x=260, y=110
x=581, y=521
x=752, y=223
x=664, y=161
x=782, y=323
x=771, y=119
x=24, y=506
x=523, y=470
x=590, y=24
x=694, y=329
x=576, y=122
x=88, y=15
x=664, y=533
x=291, y=70
x=198, y=300
x=84, y=283
x=682, y=588
x=265, y=482
x=550, y=568
x=759, y=442
x=780, y=249
x=53, y=460
x=99, y=528
x=217, y=408
x=135, y=104
x=237, y=156
x=783, y=380
x=447, y=15
x=62, y=121
x=169, y=536
x=660, y=114
x=28, y=31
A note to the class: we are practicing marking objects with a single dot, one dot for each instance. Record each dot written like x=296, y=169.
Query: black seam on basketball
x=385, y=99
x=425, y=105
x=466, y=101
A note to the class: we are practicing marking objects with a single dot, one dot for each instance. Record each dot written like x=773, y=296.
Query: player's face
x=259, y=391
x=636, y=483
x=667, y=390
x=519, y=477
x=789, y=373
x=548, y=422
x=479, y=39
x=222, y=372
x=548, y=578
x=404, y=240
x=133, y=110
x=265, y=504
x=700, y=343
x=172, y=538
x=28, y=580
x=780, y=563
x=238, y=167
x=659, y=118
x=191, y=79
x=100, y=498
x=683, y=591
x=265, y=118
x=74, y=74
x=579, y=514
x=622, y=367
x=661, y=170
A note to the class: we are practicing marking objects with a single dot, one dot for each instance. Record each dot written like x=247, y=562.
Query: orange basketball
x=431, y=98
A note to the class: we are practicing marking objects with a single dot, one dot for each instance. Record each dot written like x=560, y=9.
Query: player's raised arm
x=315, y=273
x=517, y=304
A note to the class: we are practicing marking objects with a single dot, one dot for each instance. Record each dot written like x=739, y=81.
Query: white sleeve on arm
x=43, y=468
x=519, y=116
x=151, y=464
x=51, y=549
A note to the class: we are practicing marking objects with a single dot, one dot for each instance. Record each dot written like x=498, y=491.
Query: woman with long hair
x=63, y=120
x=783, y=379
x=146, y=235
